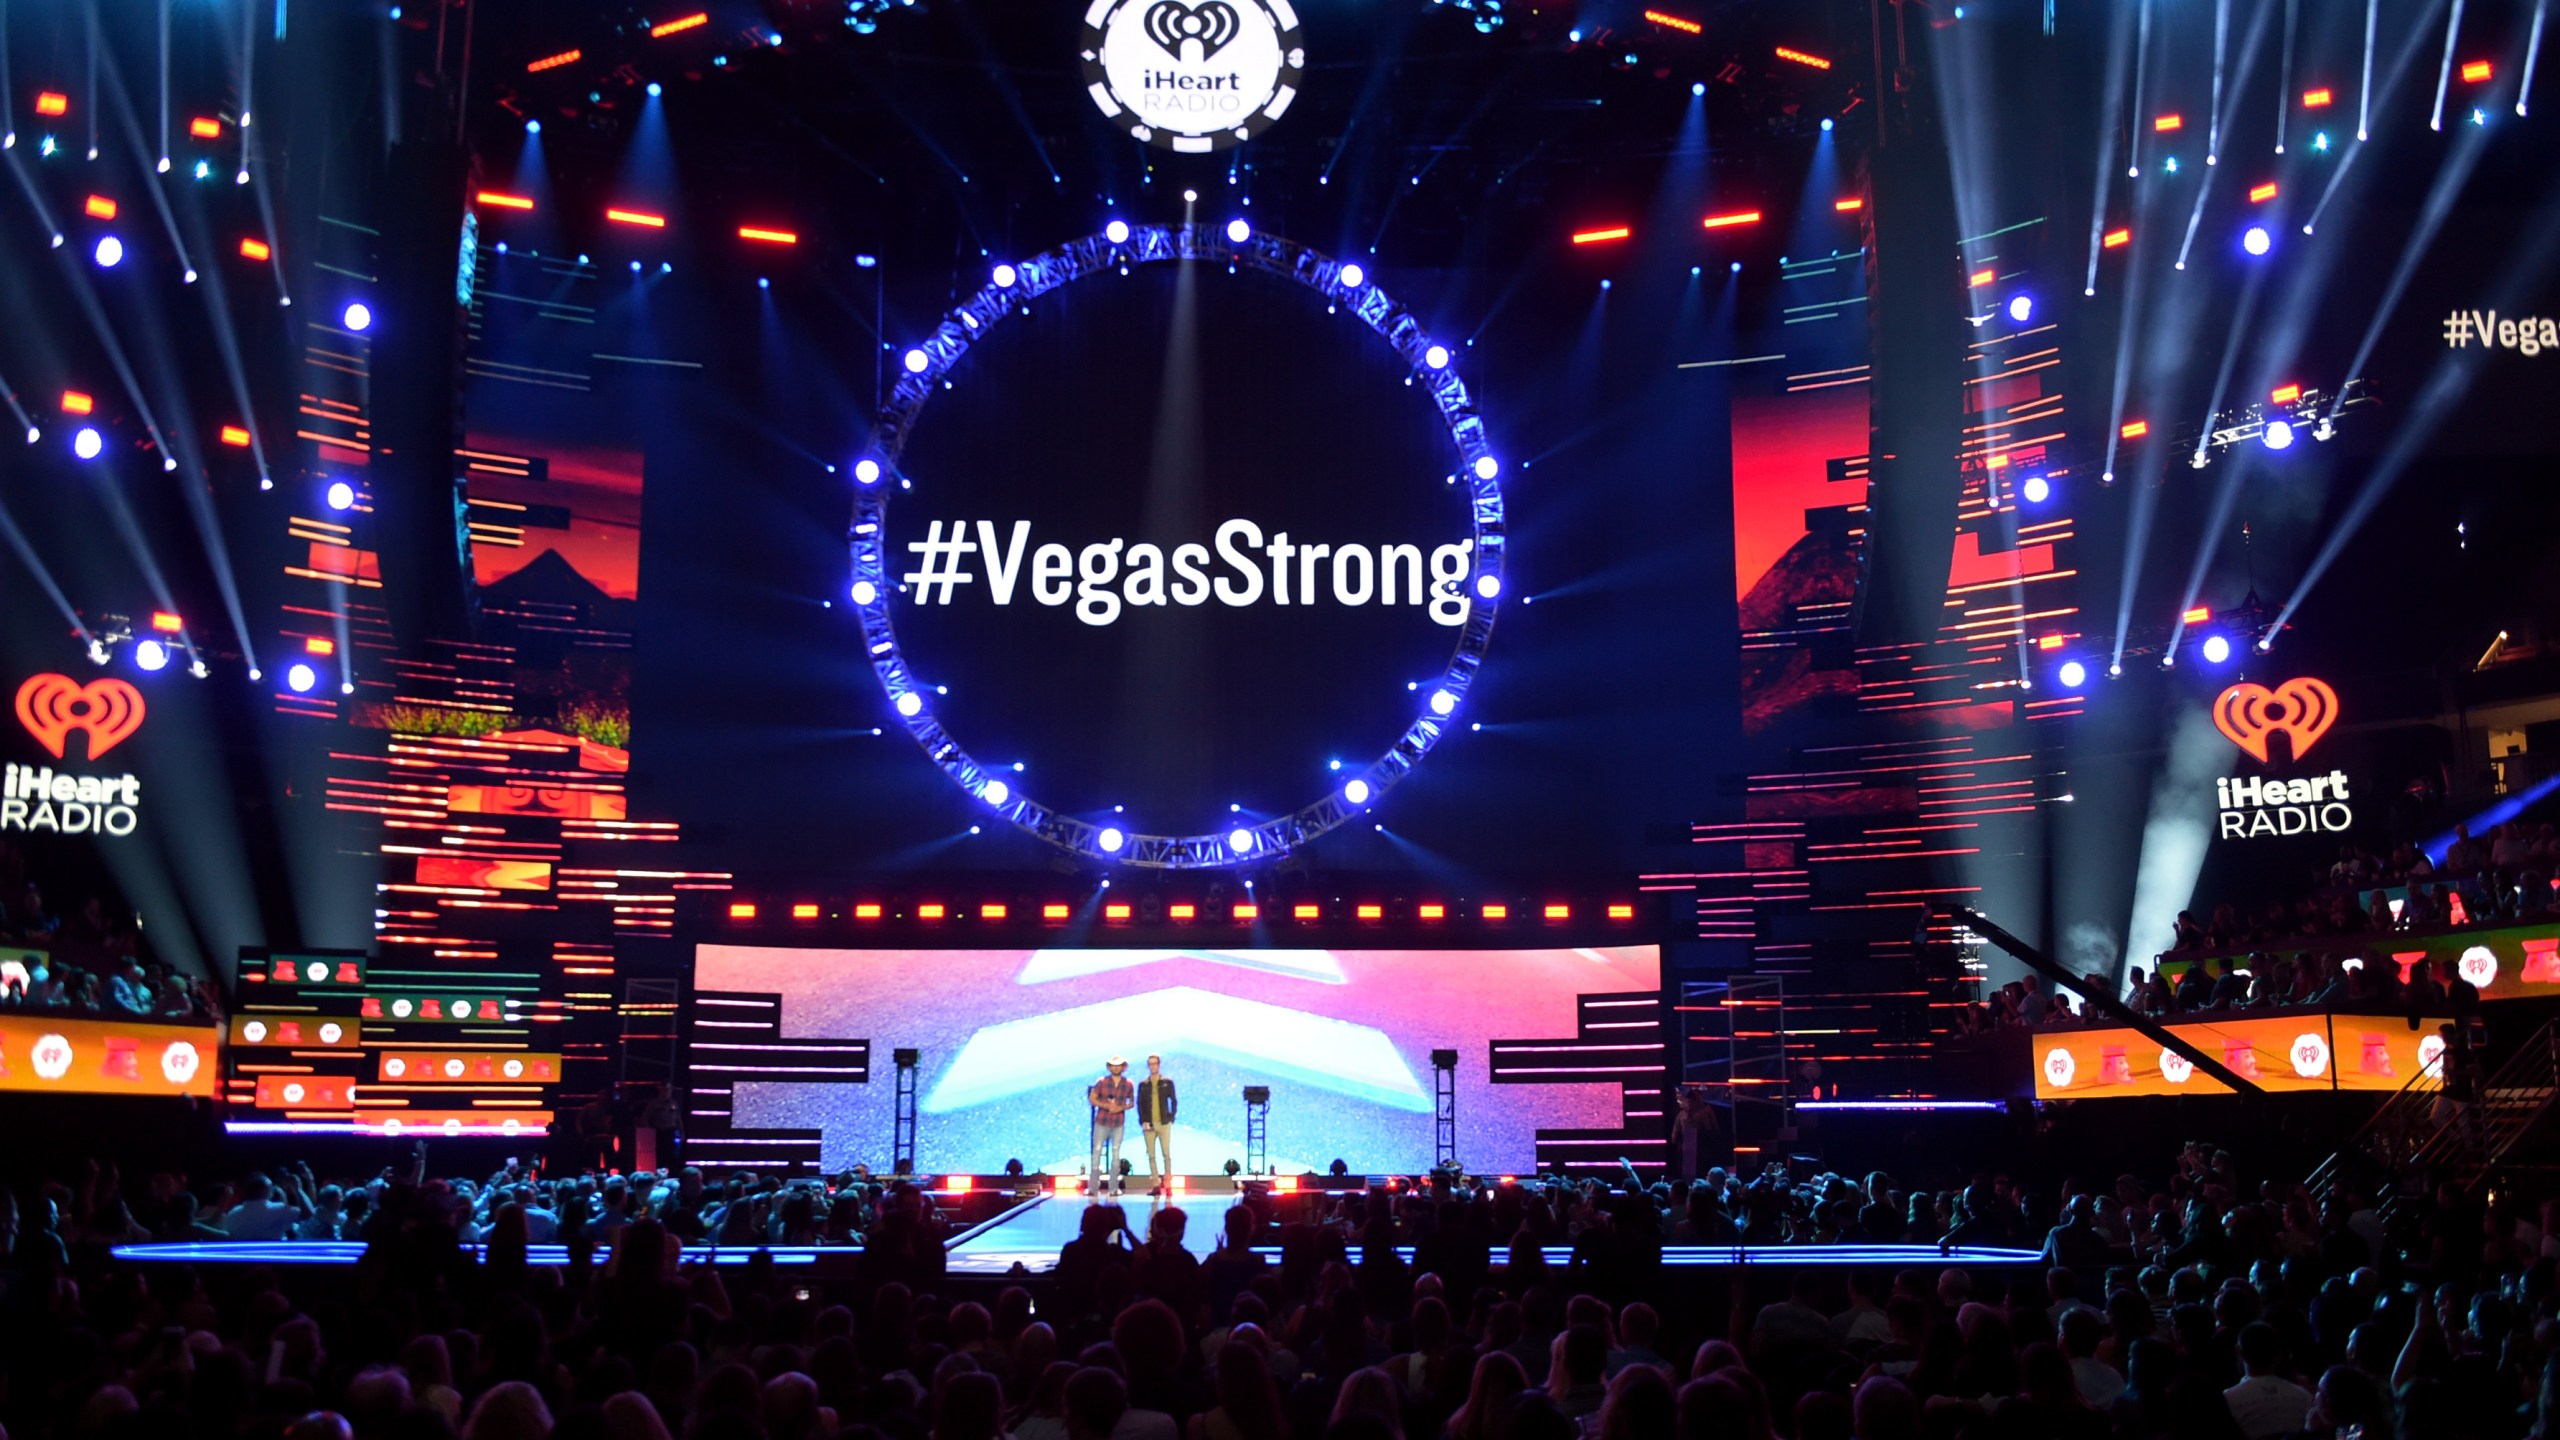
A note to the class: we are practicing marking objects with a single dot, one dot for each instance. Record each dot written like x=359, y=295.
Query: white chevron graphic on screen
x=1047, y=965
x=1288, y=1046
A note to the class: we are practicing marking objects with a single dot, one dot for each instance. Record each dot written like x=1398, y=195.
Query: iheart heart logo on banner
x=2251, y=715
x=52, y=706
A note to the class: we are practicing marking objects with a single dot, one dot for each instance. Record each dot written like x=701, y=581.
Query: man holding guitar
x=1111, y=1096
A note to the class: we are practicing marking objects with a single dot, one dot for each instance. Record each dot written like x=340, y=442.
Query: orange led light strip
x=1594, y=237
x=52, y=102
x=637, y=217
x=2315, y=99
x=1674, y=22
x=76, y=403
x=2260, y=194
x=554, y=62
x=1801, y=58
x=205, y=127
x=2475, y=71
x=2286, y=394
x=694, y=21
x=503, y=202
x=99, y=207
x=2117, y=238
x=255, y=249
x=2135, y=429
x=1852, y=203
x=770, y=237
x=2166, y=123
x=1738, y=217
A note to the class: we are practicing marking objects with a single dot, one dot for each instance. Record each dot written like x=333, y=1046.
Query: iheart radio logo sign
x=52, y=706
x=2250, y=715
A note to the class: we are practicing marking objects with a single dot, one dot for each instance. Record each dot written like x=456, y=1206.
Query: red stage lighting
x=867, y=910
x=2200, y=615
x=52, y=103
x=1980, y=278
x=804, y=911
x=166, y=623
x=1053, y=912
x=1305, y=912
x=554, y=62
x=1284, y=1184
x=76, y=403
x=319, y=645
x=1431, y=911
x=1559, y=912
x=205, y=127
x=1248, y=911
x=742, y=910
x=2316, y=99
x=1622, y=912
x=2166, y=123
x=1852, y=203
x=1497, y=911
x=235, y=436
x=2261, y=194
x=1372, y=912
x=930, y=910
x=992, y=910
x=959, y=1184
x=255, y=250
x=2135, y=429
x=99, y=207
x=2474, y=71
x=2117, y=238
x=2048, y=642
x=1115, y=911
x=1594, y=237
x=694, y=21
x=1183, y=910
x=768, y=236
x=1674, y=22
x=503, y=202
x=2286, y=394
x=1738, y=217
x=641, y=218
x=1801, y=58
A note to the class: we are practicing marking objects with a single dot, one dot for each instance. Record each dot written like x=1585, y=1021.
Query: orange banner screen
x=107, y=1057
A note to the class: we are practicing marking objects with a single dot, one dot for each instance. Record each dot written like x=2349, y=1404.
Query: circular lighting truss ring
x=911, y=700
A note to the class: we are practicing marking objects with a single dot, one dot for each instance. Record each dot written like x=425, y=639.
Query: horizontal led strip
x=768, y=236
x=1738, y=217
x=2261, y=194
x=205, y=127
x=495, y=200
x=1801, y=58
x=694, y=21
x=2118, y=237
x=640, y=218
x=2316, y=99
x=1848, y=205
x=1594, y=237
x=554, y=62
x=2163, y=124
x=1674, y=22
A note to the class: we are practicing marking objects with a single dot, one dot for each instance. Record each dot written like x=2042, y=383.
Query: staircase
x=2405, y=1147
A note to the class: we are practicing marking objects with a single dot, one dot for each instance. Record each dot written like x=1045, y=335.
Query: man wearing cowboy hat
x=1110, y=1097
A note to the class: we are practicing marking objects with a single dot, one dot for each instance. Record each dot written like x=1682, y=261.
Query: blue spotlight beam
x=2440, y=198
x=2496, y=815
x=2117, y=58
x=2364, y=96
x=44, y=577
x=2532, y=53
x=2444, y=70
x=2284, y=86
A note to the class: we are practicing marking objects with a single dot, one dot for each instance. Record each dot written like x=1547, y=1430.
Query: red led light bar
x=2117, y=238
x=1738, y=217
x=1053, y=911
x=2474, y=71
x=640, y=218
x=498, y=201
x=804, y=911
x=2166, y=123
x=992, y=910
x=1674, y=22
x=1801, y=58
x=930, y=910
x=2201, y=615
x=52, y=102
x=1373, y=912
x=235, y=436
x=99, y=207
x=2048, y=642
x=2135, y=429
x=319, y=645
x=75, y=402
x=2316, y=99
x=1184, y=911
x=1431, y=911
x=1622, y=912
x=1116, y=910
x=742, y=910
x=255, y=249
x=1852, y=203
x=1559, y=912
x=1248, y=911
x=1980, y=278
x=1594, y=237
x=1305, y=912
x=205, y=127
x=2261, y=194
x=2286, y=394
x=554, y=62
x=769, y=237
x=166, y=623
x=694, y=21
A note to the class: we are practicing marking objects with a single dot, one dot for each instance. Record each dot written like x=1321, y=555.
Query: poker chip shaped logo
x=2310, y=1055
x=2175, y=1068
x=1193, y=77
x=178, y=1063
x=51, y=1057
x=2479, y=965
x=2431, y=1056
x=2059, y=1067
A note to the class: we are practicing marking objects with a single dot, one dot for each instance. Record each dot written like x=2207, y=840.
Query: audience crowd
x=87, y=960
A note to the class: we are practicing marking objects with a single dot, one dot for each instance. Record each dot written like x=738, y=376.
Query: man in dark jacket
x=1155, y=1118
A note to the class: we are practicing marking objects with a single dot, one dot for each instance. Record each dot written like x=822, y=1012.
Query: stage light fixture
x=300, y=678
x=1487, y=467
x=2037, y=489
x=1697, y=87
x=1111, y=840
x=1005, y=275
x=918, y=362
x=2279, y=435
x=87, y=443
x=2256, y=240
x=359, y=317
x=1240, y=842
x=110, y=252
x=1488, y=586
x=1238, y=231
x=2020, y=308
x=1356, y=792
x=864, y=592
x=995, y=792
x=2216, y=649
x=2072, y=674
x=1443, y=702
x=868, y=472
x=910, y=704
x=341, y=495
x=255, y=250
x=150, y=655
x=1436, y=357
x=1117, y=232
x=1352, y=276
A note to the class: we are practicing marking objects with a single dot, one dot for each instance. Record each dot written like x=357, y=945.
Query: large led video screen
x=1008, y=1040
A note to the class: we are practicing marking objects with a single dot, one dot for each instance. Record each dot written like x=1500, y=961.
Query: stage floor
x=1032, y=1234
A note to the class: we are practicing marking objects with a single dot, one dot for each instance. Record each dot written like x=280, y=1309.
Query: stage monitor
x=1560, y=1054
